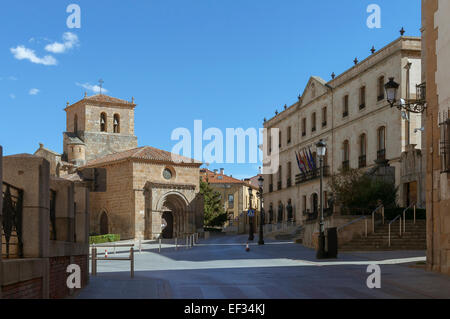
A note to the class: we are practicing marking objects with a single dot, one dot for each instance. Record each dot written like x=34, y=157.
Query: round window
x=167, y=173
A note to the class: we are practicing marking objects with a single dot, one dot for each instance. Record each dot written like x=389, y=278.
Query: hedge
x=104, y=239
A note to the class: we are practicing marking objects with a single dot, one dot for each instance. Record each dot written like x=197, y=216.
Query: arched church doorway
x=167, y=220
x=104, y=224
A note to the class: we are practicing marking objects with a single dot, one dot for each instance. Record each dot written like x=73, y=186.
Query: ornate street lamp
x=261, y=213
x=417, y=105
x=250, y=217
x=321, y=149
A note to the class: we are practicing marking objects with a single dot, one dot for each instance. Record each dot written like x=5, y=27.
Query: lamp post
x=321, y=151
x=261, y=213
x=417, y=105
x=250, y=217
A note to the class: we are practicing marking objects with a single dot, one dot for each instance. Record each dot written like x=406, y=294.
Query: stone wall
x=42, y=271
x=99, y=144
x=117, y=202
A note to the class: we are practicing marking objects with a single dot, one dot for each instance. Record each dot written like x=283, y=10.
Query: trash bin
x=332, y=243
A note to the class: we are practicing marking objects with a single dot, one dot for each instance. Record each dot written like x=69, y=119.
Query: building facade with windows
x=351, y=114
x=234, y=194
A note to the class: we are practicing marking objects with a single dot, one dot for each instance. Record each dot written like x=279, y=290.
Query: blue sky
x=229, y=63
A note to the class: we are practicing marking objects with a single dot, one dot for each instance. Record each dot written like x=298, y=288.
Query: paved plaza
x=220, y=268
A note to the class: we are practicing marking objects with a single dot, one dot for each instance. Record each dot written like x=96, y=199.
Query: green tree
x=357, y=192
x=214, y=213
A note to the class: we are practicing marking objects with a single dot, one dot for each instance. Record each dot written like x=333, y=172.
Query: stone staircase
x=415, y=238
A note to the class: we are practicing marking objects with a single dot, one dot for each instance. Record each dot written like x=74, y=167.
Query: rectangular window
x=289, y=174
x=289, y=135
x=304, y=127
x=324, y=116
x=231, y=201
x=313, y=122
x=279, y=139
x=362, y=98
x=345, y=107
x=381, y=88
x=445, y=146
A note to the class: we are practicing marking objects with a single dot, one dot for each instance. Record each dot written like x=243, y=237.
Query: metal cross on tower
x=101, y=85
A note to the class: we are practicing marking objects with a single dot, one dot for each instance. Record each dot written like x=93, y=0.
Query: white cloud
x=70, y=40
x=23, y=53
x=93, y=88
x=34, y=91
x=12, y=96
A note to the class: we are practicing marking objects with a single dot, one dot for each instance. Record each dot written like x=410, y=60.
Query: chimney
x=215, y=171
x=222, y=171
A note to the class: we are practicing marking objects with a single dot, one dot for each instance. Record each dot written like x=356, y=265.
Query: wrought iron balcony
x=311, y=175
x=381, y=155
x=12, y=218
x=362, y=161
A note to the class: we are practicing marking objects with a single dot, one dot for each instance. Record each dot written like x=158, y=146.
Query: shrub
x=103, y=239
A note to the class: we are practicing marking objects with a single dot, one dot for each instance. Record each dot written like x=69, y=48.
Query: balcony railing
x=345, y=166
x=362, y=161
x=12, y=218
x=380, y=97
x=311, y=175
x=381, y=155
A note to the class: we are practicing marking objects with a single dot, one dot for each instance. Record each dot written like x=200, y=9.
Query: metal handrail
x=389, y=238
x=373, y=216
x=404, y=215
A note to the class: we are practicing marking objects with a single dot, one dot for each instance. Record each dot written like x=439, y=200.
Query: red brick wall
x=30, y=289
x=58, y=275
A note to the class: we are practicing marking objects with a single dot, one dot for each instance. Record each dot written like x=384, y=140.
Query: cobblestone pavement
x=221, y=268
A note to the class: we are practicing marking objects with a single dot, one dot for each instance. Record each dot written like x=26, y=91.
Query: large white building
x=351, y=114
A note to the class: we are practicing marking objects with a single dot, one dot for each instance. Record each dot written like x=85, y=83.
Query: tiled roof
x=105, y=99
x=216, y=178
x=144, y=153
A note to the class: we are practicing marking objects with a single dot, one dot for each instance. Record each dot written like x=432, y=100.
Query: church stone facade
x=150, y=193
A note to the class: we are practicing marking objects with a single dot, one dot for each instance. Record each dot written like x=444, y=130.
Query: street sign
x=251, y=213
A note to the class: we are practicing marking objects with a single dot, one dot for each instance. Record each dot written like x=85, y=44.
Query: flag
x=299, y=162
x=308, y=161
x=313, y=160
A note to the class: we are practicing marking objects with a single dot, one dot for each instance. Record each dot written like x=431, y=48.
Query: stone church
x=150, y=193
